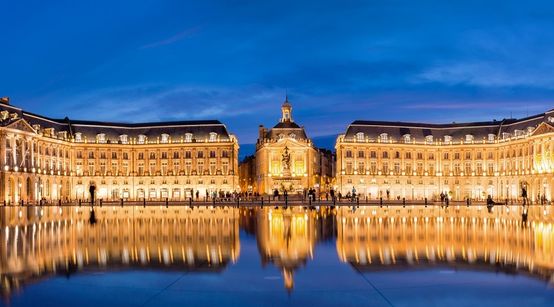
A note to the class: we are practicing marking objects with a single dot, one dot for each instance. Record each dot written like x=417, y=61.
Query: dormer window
x=78, y=137
x=292, y=136
x=384, y=137
x=188, y=137
x=142, y=139
x=124, y=139
x=530, y=129
x=429, y=139
x=281, y=136
x=447, y=138
x=213, y=137
x=491, y=137
x=360, y=136
x=505, y=135
x=518, y=132
x=101, y=138
x=469, y=137
x=407, y=138
x=165, y=138
x=62, y=135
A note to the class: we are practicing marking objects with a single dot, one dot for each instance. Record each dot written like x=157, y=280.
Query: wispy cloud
x=175, y=38
x=488, y=74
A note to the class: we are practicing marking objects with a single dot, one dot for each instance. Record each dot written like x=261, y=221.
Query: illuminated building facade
x=472, y=160
x=286, y=159
x=59, y=159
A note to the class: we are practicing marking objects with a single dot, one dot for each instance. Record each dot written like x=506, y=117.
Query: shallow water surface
x=367, y=256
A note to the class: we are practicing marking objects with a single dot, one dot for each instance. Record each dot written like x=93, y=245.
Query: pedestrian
x=92, y=190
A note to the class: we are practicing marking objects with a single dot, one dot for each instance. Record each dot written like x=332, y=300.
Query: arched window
x=429, y=139
x=407, y=138
x=213, y=136
x=188, y=137
x=101, y=138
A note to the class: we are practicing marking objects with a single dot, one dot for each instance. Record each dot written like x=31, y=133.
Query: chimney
x=261, y=132
x=5, y=100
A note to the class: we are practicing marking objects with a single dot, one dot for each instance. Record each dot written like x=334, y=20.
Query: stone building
x=286, y=159
x=55, y=159
x=464, y=160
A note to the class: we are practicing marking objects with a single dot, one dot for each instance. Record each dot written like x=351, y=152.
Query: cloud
x=488, y=74
x=175, y=38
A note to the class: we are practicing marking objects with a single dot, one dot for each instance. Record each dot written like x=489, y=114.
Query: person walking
x=92, y=190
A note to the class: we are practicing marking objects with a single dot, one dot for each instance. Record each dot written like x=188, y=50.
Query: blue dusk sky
x=135, y=61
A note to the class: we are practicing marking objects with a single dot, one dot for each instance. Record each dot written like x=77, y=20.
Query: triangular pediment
x=543, y=128
x=22, y=125
x=291, y=143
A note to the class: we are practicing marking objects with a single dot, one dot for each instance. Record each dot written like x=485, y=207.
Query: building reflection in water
x=37, y=242
x=372, y=238
x=287, y=237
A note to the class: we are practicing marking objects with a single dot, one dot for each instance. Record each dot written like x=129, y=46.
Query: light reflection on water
x=36, y=243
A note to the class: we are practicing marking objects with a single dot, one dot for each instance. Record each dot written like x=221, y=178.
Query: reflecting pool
x=347, y=256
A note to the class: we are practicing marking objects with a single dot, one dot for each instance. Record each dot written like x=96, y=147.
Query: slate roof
x=396, y=130
x=176, y=129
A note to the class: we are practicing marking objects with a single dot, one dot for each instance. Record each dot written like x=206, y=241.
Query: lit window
x=165, y=138
x=384, y=137
x=360, y=136
x=124, y=139
x=292, y=136
x=469, y=137
x=429, y=139
x=407, y=138
x=78, y=137
x=213, y=136
x=101, y=138
x=142, y=139
x=447, y=138
x=491, y=137
x=188, y=137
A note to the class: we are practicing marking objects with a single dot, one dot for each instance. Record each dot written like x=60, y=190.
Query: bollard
x=381, y=202
x=262, y=202
x=467, y=202
x=122, y=203
x=144, y=202
x=59, y=202
x=425, y=202
x=166, y=202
